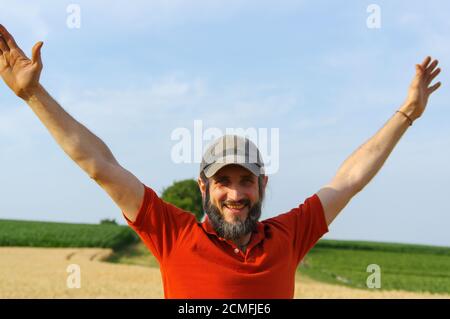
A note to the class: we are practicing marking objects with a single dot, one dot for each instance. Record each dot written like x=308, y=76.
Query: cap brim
x=212, y=169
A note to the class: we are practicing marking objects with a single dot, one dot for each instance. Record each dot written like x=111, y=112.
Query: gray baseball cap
x=232, y=149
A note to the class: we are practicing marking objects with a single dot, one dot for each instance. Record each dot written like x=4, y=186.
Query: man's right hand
x=19, y=72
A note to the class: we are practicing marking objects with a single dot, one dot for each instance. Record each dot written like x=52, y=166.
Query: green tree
x=107, y=221
x=186, y=195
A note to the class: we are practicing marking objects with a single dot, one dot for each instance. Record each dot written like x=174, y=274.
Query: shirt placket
x=247, y=256
x=236, y=251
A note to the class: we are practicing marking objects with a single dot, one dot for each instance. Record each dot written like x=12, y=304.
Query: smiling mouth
x=235, y=208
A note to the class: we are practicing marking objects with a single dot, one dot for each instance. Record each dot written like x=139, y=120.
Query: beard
x=232, y=231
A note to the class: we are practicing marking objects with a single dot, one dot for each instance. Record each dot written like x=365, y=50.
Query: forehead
x=233, y=170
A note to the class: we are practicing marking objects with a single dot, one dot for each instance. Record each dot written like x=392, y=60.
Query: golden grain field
x=42, y=273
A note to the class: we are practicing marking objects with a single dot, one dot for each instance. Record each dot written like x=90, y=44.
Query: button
x=236, y=250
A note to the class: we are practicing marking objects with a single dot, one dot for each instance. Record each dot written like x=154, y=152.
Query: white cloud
x=156, y=101
x=159, y=104
x=179, y=99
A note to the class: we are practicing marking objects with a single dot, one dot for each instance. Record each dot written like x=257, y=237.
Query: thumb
x=36, y=53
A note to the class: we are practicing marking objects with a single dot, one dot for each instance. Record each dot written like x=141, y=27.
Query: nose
x=234, y=194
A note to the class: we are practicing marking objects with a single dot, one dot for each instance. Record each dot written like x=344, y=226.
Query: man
x=231, y=254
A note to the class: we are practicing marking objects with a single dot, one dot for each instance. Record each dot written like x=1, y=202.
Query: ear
x=265, y=180
x=202, y=186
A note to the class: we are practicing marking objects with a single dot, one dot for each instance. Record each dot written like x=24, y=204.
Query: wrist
x=409, y=110
x=32, y=93
x=405, y=117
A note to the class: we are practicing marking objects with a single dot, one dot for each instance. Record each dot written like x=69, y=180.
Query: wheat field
x=42, y=273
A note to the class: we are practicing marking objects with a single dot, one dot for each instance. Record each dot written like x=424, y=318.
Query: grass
x=134, y=254
x=49, y=234
x=403, y=267
x=376, y=246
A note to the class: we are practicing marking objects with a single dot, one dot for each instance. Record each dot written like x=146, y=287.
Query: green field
x=403, y=267
x=48, y=234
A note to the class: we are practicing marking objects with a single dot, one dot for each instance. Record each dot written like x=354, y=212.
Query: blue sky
x=135, y=71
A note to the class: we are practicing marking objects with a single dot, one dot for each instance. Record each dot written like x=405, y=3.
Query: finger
x=433, y=88
x=3, y=45
x=431, y=67
x=433, y=75
x=36, y=52
x=426, y=62
x=8, y=38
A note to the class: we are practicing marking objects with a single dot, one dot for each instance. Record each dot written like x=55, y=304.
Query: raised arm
x=357, y=170
x=22, y=75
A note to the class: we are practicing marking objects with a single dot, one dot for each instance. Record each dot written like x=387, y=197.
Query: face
x=232, y=200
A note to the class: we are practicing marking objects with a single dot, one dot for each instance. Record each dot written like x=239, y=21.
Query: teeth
x=235, y=206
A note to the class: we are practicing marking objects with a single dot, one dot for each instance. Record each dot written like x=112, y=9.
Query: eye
x=222, y=181
x=248, y=181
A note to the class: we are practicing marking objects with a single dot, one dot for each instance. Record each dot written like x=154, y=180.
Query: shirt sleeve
x=160, y=224
x=305, y=225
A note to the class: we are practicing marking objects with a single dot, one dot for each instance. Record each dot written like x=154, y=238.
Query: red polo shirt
x=196, y=263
